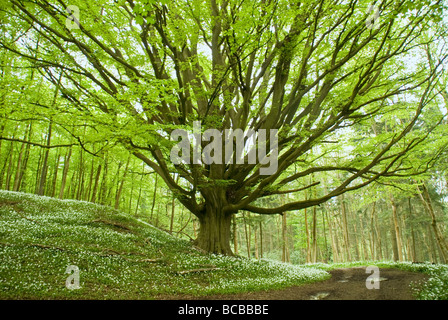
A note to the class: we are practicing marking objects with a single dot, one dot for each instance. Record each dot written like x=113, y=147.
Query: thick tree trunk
x=215, y=222
x=214, y=231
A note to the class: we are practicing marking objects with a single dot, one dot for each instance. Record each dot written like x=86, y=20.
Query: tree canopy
x=352, y=89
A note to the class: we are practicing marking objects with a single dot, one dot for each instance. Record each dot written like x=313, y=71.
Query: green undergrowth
x=119, y=257
x=435, y=288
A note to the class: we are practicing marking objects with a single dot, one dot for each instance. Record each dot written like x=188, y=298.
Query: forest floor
x=118, y=256
x=344, y=284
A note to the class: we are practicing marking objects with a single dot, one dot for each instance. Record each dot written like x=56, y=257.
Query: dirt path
x=345, y=284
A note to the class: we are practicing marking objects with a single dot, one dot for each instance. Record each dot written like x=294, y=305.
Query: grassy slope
x=40, y=237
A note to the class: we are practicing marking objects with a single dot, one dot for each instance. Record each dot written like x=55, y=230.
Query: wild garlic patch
x=41, y=236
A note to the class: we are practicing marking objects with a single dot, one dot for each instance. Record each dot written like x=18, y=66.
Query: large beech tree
x=135, y=70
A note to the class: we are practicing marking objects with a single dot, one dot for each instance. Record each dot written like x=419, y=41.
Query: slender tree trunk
x=307, y=233
x=285, y=251
x=246, y=233
x=17, y=176
x=120, y=188
x=397, y=230
x=80, y=189
x=235, y=235
x=10, y=166
x=314, y=236
x=96, y=183
x=72, y=186
x=428, y=244
x=38, y=170
x=378, y=237
x=354, y=234
x=43, y=175
x=173, y=206
x=345, y=229
x=256, y=243
x=372, y=232
x=139, y=191
x=261, y=239
x=9, y=162
x=402, y=223
x=362, y=242
x=103, y=189
x=2, y=128
x=249, y=228
x=387, y=253
x=334, y=245
x=87, y=195
x=2, y=172
x=65, y=173
x=131, y=197
x=326, y=254
x=414, y=252
x=426, y=200
x=154, y=196
x=433, y=246
x=22, y=183
x=55, y=175
x=394, y=240
x=18, y=169
x=157, y=214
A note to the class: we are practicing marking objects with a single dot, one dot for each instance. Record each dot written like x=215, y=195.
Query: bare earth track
x=344, y=284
